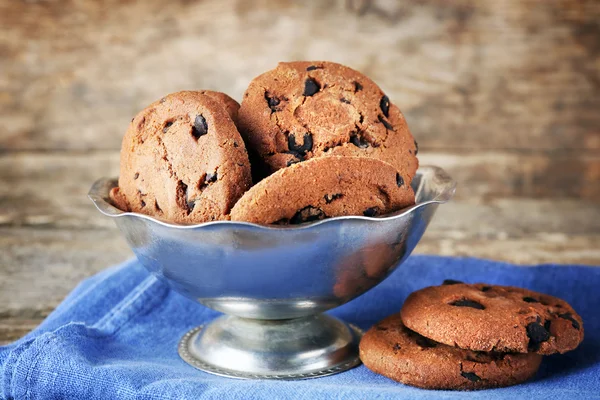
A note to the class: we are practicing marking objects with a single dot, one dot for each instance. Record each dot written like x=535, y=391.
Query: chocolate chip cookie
x=302, y=110
x=182, y=160
x=485, y=317
x=325, y=187
x=392, y=350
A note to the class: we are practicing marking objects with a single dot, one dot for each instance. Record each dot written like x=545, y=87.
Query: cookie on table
x=325, y=187
x=302, y=110
x=485, y=317
x=183, y=161
x=230, y=104
x=392, y=350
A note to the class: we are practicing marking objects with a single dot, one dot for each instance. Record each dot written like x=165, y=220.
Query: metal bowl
x=274, y=282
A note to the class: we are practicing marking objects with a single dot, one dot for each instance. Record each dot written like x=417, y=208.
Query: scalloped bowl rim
x=114, y=212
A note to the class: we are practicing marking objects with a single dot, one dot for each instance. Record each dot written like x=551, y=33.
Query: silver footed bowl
x=273, y=283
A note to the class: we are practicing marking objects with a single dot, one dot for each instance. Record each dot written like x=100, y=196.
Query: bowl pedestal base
x=299, y=348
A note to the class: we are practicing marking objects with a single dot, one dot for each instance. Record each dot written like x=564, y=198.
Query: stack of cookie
x=462, y=336
x=319, y=138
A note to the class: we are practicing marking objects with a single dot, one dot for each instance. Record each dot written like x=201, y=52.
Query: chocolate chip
x=385, y=123
x=396, y=347
x=528, y=299
x=311, y=87
x=343, y=100
x=485, y=288
x=467, y=303
x=416, y=147
x=137, y=175
x=210, y=177
x=141, y=123
x=470, y=376
x=331, y=197
x=370, y=212
x=190, y=205
x=451, y=282
x=424, y=342
x=537, y=334
x=358, y=141
x=272, y=101
x=143, y=203
x=292, y=162
x=399, y=180
x=182, y=197
x=357, y=86
x=569, y=317
x=200, y=127
x=384, y=104
x=307, y=145
x=307, y=214
x=313, y=67
x=381, y=328
x=167, y=126
x=157, y=206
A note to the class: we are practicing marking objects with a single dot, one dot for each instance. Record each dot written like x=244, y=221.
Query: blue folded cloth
x=115, y=337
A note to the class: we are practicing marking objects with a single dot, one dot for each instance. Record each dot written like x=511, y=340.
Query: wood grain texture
x=12, y=329
x=511, y=74
x=40, y=266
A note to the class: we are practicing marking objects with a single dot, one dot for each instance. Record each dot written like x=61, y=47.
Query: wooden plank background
x=503, y=94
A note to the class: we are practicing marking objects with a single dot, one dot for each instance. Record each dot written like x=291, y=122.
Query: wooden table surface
x=503, y=94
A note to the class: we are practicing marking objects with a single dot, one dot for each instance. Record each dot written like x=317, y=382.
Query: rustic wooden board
x=12, y=329
x=40, y=266
x=511, y=74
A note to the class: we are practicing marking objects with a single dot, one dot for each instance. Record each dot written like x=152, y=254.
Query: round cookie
x=230, y=104
x=183, y=161
x=485, y=317
x=392, y=350
x=302, y=110
x=325, y=187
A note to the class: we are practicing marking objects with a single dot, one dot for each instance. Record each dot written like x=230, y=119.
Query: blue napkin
x=115, y=337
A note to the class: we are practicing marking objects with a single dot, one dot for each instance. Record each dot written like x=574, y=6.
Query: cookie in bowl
x=325, y=187
x=304, y=110
x=183, y=161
